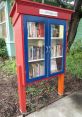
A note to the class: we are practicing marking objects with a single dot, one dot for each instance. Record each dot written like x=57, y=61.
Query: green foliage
x=3, y=50
x=47, y=2
x=55, y=3
x=76, y=46
x=51, y=3
x=2, y=43
x=74, y=60
x=37, y=1
x=9, y=66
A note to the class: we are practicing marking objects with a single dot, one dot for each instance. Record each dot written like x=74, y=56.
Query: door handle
x=46, y=49
x=49, y=49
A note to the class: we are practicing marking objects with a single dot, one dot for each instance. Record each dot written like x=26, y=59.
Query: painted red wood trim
x=21, y=91
x=36, y=4
x=32, y=8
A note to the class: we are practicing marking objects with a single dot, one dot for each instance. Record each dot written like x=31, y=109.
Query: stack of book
x=36, y=69
x=35, y=29
x=36, y=52
x=56, y=51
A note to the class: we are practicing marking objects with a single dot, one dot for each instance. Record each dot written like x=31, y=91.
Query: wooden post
x=61, y=84
x=21, y=91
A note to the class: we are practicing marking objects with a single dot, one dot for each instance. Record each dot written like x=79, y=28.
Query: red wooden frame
x=26, y=7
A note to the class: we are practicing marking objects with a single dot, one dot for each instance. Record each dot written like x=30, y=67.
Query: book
x=52, y=51
x=41, y=72
x=34, y=52
x=55, y=51
x=61, y=31
x=59, y=63
x=40, y=30
x=30, y=70
x=30, y=52
x=59, y=50
x=53, y=66
x=41, y=52
x=36, y=69
x=35, y=29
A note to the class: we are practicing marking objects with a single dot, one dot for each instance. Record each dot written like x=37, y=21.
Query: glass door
x=44, y=47
x=57, y=47
x=36, y=46
x=36, y=51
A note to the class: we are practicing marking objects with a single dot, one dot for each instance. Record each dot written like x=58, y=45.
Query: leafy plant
x=9, y=66
x=74, y=60
x=3, y=50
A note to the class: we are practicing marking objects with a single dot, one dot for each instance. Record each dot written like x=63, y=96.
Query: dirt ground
x=9, y=96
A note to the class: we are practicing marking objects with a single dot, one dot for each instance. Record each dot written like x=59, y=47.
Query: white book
x=58, y=50
x=30, y=29
x=55, y=51
x=53, y=66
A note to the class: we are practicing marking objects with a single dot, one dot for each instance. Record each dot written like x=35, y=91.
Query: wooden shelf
x=56, y=57
x=35, y=38
x=56, y=38
x=36, y=60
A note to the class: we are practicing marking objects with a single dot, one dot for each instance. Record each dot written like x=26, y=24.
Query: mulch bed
x=36, y=99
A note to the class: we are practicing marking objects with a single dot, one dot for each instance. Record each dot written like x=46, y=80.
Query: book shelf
x=36, y=52
x=35, y=38
x=56, y=48
x=36, y=48
x=40, y=41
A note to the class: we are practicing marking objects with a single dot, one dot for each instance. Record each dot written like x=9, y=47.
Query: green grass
x=9, y=66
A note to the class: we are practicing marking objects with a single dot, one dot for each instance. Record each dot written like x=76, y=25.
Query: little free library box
x=40, y=40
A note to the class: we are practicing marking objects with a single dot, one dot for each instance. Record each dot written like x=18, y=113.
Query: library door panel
x=56, y=48
x=36, y=49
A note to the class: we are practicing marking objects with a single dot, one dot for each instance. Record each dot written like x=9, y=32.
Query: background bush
x=74, y=60
x=9, y=66
x=3, y=50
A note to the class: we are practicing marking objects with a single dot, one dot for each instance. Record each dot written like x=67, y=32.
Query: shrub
x=74, y=60
x=77, y=46
x=3, y=50
x=9, y=66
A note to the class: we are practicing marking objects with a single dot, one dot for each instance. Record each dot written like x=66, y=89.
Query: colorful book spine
x=40, y=30
x=36, y=69
x=30, y=53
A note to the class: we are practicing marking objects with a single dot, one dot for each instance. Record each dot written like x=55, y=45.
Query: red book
x=40, y=30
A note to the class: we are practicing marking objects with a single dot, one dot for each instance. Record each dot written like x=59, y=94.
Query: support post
x=61, y=84
x=21, y=91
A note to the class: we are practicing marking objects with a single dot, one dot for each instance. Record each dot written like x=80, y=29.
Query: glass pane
x=36, y=52
x=57, y=32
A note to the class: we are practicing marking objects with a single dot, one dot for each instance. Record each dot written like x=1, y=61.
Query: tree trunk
x=75, y=18
x=73, y=28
